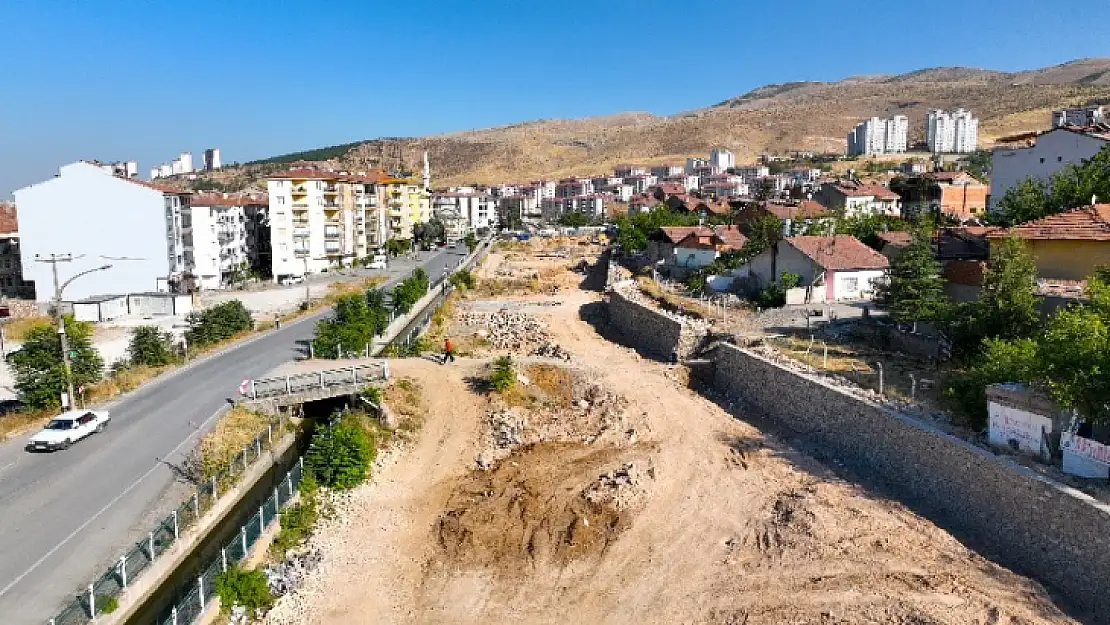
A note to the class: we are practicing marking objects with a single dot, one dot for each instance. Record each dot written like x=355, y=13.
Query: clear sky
x=147, y=79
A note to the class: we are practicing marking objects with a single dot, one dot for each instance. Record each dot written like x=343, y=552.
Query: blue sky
x=147, y=79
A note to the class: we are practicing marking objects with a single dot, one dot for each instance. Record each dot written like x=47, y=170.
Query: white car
x=378, y=262
x=68, y=428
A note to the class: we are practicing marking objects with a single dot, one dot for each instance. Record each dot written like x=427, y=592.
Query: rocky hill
x=774, y=118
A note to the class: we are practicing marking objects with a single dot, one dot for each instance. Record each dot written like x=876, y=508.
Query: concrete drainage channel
x=169, y=578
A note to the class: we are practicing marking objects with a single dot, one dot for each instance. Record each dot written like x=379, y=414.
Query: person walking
x=448, y=351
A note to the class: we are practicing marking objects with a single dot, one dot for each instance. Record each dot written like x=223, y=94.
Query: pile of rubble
x=285, y=577
x=239, y=616
x=550, y=349
x=506, y=329
x=506, y=432
x=621, y=488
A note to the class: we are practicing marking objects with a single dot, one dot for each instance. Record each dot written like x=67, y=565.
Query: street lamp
x=54, y=259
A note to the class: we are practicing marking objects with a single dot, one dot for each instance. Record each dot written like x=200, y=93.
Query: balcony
x=331, y=190
x=330, y=206
x=300, y=252
x=300, y=204
x=334, y=251
x=303, y=223
x=332, y=233
x=300, y=190
x=302, y=233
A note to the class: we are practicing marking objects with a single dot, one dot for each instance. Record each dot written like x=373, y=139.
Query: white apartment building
x=879, y=136
x=693, y=164
x=323, y=219
x=1081, y=116
x=1050, y=152
x=515, y=210
x=667, y=170
x=211, y=159
x=86, y=211
x=593, y=205
x=952, y=133
x=752, y=173
x=570, y=187
x=640, y=183
x=212, y=233
x=474, y=209
x=627, y=171
x=690, y=181
x=722, y=159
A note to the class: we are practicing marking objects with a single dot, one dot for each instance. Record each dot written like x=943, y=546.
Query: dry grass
x=16, y=329
x=340, y=289
x=556, y=383
x=234, y=431
x=124, y=381
x=16, y=423
x=404, y=396
x=673, y=302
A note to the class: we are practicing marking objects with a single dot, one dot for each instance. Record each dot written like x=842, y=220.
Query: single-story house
x=797, y=217
x=845, y=267
x=704, y=245
x=100, y=308
x=1068, y=245
x=853, y=197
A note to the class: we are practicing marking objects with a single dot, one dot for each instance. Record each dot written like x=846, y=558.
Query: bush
x=106, y=604
x=358, y=319
x=462, y=280
x=247, y=588
x=298, y=520
x=150, y=346
x=218, y=323
x=471, y=241
x=503, y=376
x=38, y=368
x=409, y=291
x=340, y=455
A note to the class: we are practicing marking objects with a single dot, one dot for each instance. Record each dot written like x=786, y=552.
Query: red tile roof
x=896, y=239
x=865, y=189
x=840, y=252
x=726, y=238
x=1086, y=223
x=228, y=199
x=806, y=209
x=674, y=234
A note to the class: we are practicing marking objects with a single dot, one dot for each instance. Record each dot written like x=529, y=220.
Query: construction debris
x=507, y=330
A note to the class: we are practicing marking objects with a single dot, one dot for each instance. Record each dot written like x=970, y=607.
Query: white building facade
x=1081, y=116
x=879, y=136
x=1052, y=151
x=212, y=233
x=722, y=159
x=87, y=211
x=952, y=133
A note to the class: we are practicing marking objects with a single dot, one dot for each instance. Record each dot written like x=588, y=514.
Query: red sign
x=1086, y=448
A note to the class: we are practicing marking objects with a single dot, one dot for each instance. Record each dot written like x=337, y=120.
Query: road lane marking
x=111, y=503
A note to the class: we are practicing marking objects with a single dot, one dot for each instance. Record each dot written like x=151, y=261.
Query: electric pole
x=54, y=259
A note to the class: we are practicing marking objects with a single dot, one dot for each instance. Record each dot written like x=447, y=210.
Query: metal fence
x=290, y=384
x=193, y=601
x=101, y=595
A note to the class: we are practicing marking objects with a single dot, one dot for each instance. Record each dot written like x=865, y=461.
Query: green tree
x=217, y=324
x=913, y=289
x=1001, y=361
x=396, y=247
x=979, y=164
x=353, y=326
x=340, y=454
x=150, y=346
x=1075, y=361
x=37, y=365
x=574, y=219
x=867, y=228
x=1025, y=202
x=633, y=232
x=503, y=375
x=471, y=241
x=1007, y=302
x=410, y=290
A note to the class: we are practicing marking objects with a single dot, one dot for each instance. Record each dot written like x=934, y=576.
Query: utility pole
x=54, y=259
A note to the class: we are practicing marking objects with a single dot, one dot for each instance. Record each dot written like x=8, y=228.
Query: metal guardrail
x=195, y=600
x=301, y=382
x=106, y=590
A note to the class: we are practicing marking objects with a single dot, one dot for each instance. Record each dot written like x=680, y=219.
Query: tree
x=979, y=164
x=340, y=455
x=38, y=368
x=353, y=326
x=471, y=241
x=396, y=247
x=574, y=219
x=218, y=323
x=1001, y=361
x=1075, y=362
x=867, y=228
x=633, y=232
x=913, y=290
x=1007, y=302
x=150, y=346
x=1025, y=202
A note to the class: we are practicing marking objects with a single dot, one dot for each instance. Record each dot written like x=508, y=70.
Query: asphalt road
x=64, y=517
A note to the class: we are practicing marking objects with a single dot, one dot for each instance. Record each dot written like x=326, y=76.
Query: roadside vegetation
x=243, y=587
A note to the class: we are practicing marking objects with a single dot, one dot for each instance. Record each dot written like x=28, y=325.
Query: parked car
x=378, y=262
x=68, y=428
x=292, y=280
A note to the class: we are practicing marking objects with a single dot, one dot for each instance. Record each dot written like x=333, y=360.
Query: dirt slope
x=726, y=525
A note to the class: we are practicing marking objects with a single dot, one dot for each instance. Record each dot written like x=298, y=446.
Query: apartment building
x=1041, y=155
x=725, y=185
x=667, y=170
x=570, y=187
x=640, y=183
x=473, y=210
x=1081, y=116
x=514, y=211
x=87, y=211
x=627, y=171
x=695, y=163
x=952, y=133
x=691, y=182
x=751, y=173
x=211, y=232
x=321, y=219
x=594, y=206
x=879, y=136
x=12, y=283
x=722, y=159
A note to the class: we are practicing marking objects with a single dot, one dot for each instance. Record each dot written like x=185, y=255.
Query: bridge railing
x=302, y=382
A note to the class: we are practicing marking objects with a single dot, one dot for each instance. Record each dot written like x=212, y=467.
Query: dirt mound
x=548, y=503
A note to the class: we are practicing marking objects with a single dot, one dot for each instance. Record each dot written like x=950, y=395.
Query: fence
x=291, y=384
x=193, y=602
x=104, y=592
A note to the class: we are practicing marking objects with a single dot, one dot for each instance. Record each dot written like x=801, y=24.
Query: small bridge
x=305, y=387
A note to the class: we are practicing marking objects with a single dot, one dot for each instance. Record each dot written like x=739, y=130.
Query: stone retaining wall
x=1035, y=526
x=644, y=328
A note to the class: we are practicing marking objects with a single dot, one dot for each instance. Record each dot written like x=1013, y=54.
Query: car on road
x=378, y=262
x=68, y=428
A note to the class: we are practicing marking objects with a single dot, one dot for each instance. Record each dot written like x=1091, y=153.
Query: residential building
x=1081, y=116
x=515, y=211
x=321, y=219
x=86, y=211
x=725, y=186
x=212, y=233
x=259, y=245
x=472, y=210
x=879, y=136
x=956, y=194
x=835, y=268
x=798, y=218
x=951, y=133
x=852, y=197
x=11, y=262
x=913, y=167
x=1041, y=155
x=700, y=247
x=211, y=159
x=627, y=171
x=694, y=163
x=722, y=159
x=1066, y=246
x=640, y=183
x=751, y=173
x=666, y=170
x=691, y=182
x=570, y=187
x=594, y=206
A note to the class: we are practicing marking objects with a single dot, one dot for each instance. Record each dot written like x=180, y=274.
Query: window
x=850, y=285
x=1042, y=159
x=280, y=200
x=1059, y=159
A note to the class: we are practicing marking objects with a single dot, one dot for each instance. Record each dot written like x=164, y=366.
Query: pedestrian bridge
x=279, y=391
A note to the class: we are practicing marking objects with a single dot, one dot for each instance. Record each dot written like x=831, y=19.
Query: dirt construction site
x=601, y=489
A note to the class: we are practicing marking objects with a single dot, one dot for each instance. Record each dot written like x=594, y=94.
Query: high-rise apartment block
x=879, y=136
x=722, y=159
x=211, y=234
x=952, y=133
x=211, y=159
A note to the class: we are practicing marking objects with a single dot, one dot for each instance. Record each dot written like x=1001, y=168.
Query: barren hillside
x=799, y=115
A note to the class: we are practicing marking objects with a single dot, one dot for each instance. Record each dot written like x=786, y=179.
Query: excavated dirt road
x=722, y=524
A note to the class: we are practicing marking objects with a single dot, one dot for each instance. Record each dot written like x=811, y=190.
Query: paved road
x=65, y=516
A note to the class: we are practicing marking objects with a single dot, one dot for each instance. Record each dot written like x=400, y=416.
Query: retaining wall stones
x=644, y=328
x=1035, y=526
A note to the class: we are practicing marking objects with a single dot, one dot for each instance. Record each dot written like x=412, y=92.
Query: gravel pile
x=551, y=349
x=506, y=329
x=285, y=577
x=621, y=488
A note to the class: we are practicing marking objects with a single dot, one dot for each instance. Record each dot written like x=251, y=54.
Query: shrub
x=503, y=376
x=462, y=280
x=471, y=241
x=298, y=520
x=409, y=291
x=218, y=323
x=150, y=346
x=340, y=455
x=247, y=588
x=358, y=319
x=106, y=604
